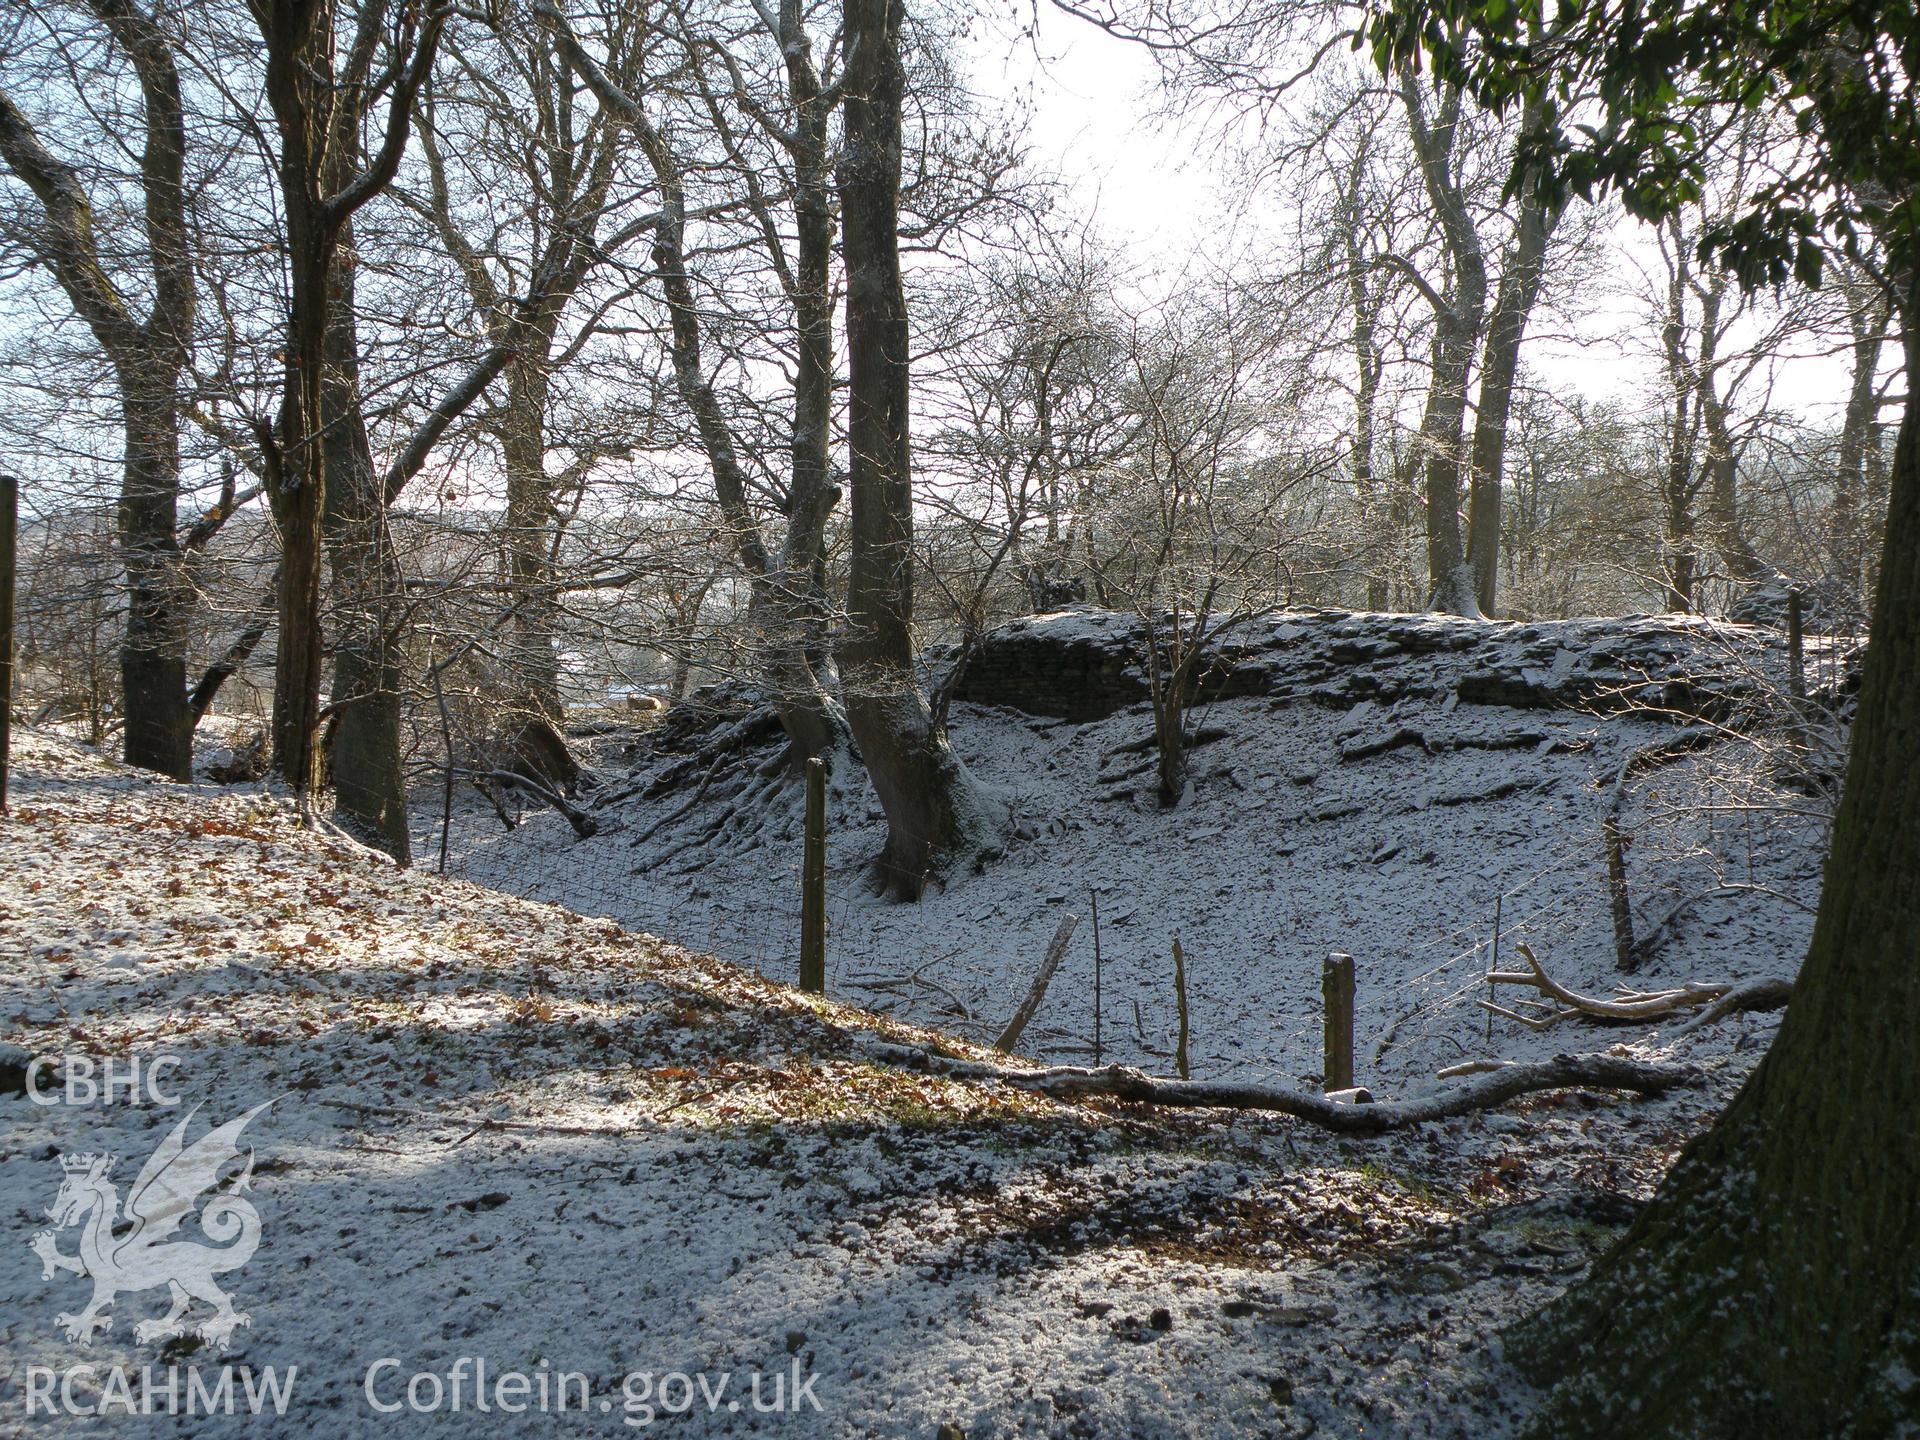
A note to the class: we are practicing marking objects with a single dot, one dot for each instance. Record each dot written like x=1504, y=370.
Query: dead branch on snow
x=1630, y=1007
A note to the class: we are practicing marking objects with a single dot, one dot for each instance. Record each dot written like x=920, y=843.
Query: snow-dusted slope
x=503, y=1134
x=1390, y=784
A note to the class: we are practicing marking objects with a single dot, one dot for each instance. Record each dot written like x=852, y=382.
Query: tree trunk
x=934, y=809
x=1364, y=301
x=1773, y=1285
x=794, y=595
x=1859, y=435
x=1677, y=483
x=1375, y=517
x=532, y=653
x=153, y=656
x=1456, y=333
x=369, y=776
x=1448, y=575
x=295, y=498
x=1170, y=740
x=299, y=66
x=1506, y=329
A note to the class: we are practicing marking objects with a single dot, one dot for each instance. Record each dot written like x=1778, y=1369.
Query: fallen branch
x=1120, y=1082
x=1056, y=948
x=1632, y=1007
x=484, y=1122
x=1471, y=1067
x=1758, y=995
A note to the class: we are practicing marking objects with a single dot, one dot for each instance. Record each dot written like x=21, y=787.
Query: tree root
x=585, y=827
x=1120, y=1082
x=676, y=814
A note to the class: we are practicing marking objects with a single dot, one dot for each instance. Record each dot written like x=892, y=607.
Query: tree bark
x=532, y=652
x=1458, y=315
x=1773, y=1286
x=147, y=357
x=1506, y=328
x=1677, y=483
x=153, y=658
x=1364, y=302
x=1868, y=314
x=795, y=597
x=934, y=809
x=311, y=106
x=369, y=776
x=299, y=45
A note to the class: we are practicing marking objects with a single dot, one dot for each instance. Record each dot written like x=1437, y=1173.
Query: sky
x=1084, y=92
x=1089, y=98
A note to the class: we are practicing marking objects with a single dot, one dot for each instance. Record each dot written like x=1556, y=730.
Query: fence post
x=9, y=545
x=813, y=883
x=1499, y=896
x=1796, y=647
x=1093, y=898
x=1180, y=999
x=1624, y=956
x=1336, y=990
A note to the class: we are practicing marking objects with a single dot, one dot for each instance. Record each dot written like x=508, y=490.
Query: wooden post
x=1336, y=991
x=813, y=883
x=1180, y=999
x=9, y=546
x=1093, y=898
x=1623, y=949
x=1796, y=647
x=1498, y=897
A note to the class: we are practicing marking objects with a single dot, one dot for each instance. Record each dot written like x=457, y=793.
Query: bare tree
x=315, y=99
x=783, y=585
x=1459, y=309
x=147, y=354
x=1860, y=465
x=1522, y=271
x=524, y=268
x=1197, y=505
x=935, y=810
x=1708, y=361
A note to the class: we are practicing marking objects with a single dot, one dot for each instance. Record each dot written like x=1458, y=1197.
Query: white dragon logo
x=136, y=1258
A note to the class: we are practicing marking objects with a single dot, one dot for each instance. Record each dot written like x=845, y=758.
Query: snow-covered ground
x=1392, y=829
x=502, y=1133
